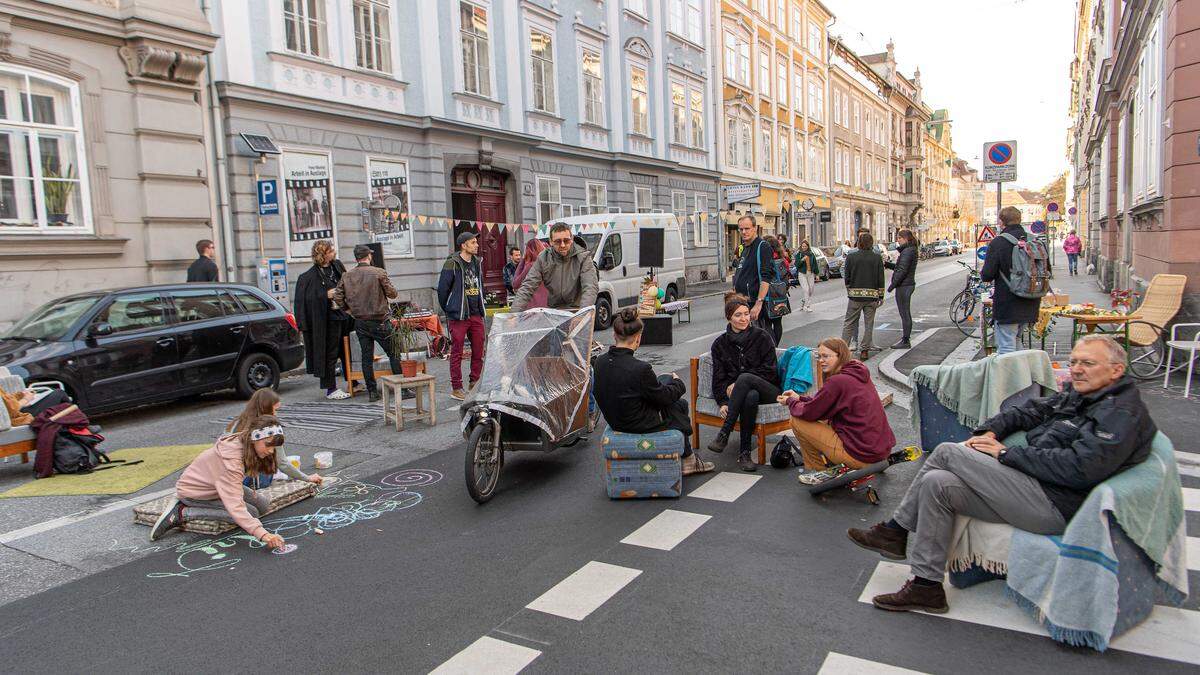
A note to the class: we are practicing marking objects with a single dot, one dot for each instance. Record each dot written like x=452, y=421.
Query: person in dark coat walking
x=745, y=374
x=633, y=399
x=1010, y=312
x=203, y=269
x=904, y=282
x=322, y=324
x=864, y=289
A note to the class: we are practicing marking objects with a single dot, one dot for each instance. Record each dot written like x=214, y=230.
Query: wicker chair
x=1147, y=348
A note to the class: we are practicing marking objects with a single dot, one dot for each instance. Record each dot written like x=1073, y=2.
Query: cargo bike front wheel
x=484, y=460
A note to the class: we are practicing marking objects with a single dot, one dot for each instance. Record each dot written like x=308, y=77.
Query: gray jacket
x=571, y=282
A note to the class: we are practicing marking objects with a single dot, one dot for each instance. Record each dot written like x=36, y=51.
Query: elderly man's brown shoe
x=888, y=542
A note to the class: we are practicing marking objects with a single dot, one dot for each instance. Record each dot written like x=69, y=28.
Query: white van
x=613, y=240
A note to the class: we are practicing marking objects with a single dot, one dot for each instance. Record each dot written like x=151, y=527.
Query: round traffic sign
x=981, y=252
x=1052, y=207
x=1038, y=227
x=1000, y=153
x=1071, y=211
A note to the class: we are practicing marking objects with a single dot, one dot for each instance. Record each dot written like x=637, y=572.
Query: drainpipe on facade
x=219, y=164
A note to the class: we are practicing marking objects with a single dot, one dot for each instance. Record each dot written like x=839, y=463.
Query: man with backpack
x=1020, y=270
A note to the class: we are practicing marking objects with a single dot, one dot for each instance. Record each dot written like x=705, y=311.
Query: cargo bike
x=533, y=394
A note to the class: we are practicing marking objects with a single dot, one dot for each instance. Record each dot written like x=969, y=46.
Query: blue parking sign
x=268, y=198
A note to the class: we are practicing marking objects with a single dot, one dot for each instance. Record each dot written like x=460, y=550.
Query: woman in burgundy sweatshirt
x=844, y=422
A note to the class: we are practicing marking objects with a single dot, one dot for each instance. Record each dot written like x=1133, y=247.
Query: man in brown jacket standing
x=364, y=292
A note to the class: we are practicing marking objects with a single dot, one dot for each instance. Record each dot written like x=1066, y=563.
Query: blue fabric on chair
x=796, y=369
x=643, y=465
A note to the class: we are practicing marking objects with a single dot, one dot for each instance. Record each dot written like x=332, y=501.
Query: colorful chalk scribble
x=356, y=501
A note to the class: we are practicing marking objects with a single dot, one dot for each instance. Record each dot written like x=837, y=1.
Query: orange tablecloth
x=431, y=324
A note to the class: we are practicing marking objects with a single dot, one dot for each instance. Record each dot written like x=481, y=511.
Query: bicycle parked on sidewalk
x=962, y=307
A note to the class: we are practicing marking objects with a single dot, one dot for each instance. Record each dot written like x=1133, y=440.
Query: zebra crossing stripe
x=666, y=530
x=584, y=591
x=1169, y=632
x=840, y=664
x=1193, y=553
x=488, y=655
x=1191, y=499
x=725, y=486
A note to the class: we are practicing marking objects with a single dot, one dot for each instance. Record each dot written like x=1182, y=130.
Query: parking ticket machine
x=273, y=278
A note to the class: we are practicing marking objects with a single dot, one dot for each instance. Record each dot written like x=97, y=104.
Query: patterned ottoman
x=281, y=493
x=643, y=465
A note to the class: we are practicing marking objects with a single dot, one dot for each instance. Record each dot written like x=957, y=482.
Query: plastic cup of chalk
x=323, y=460
x=294, y=460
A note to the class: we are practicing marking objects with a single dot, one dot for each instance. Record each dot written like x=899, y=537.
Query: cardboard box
x=1055, y=299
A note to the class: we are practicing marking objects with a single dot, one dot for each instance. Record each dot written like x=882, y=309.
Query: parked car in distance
x=132, y=346
x=835, y=260
x=892, y=254
x=822, y=273
x=941, y=248
x=955, y=246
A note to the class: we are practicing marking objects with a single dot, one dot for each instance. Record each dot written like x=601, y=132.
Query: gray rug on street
x=322, y=415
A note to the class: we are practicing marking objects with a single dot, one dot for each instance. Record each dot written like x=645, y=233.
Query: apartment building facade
x=860, y=146
x=483, y=112
x=938, y=213
x=774, y=71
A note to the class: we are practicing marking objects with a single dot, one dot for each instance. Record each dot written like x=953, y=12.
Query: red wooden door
x=489, y=208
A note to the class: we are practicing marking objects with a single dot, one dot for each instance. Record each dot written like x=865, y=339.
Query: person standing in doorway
x=203, y=268
x=460, y=294
x=323, y=324
x=904, y=282
x=1010, y=312
x=755, y=271
x=364, y=291
x=806, y=271
x=1072, y=246
x=510, y=268
x=864, y=290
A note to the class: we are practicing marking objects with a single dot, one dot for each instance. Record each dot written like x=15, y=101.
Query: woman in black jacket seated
x=745, y=374
x=904, y=282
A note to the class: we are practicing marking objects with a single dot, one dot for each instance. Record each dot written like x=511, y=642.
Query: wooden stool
x=422, y=386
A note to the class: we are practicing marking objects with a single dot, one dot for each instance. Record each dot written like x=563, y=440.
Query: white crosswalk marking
x=1193, y=553
x=488, y=655
x=666, y=530
x=725, y=486
x=840, y=664
x=1191, y=499
x=585, y=590
x=1169, y=632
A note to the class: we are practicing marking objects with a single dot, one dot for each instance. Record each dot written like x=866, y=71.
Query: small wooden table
x=1088, y=324
x=425, y=397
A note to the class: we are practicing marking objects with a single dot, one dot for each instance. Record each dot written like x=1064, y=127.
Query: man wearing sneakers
x=460, y=293
x=1076, y=440
x=365, y=291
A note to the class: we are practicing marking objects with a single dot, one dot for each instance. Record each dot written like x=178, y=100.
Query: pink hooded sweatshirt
x=217, y=474
x=1072, y=244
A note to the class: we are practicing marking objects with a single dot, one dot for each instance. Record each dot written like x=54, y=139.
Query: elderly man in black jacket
x=633, y=400
x=1075, y=440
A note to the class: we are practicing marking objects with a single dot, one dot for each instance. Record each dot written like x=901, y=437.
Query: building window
x=731, y=143
x=679, y=114
x=837, y=106
x=800, y=169
x=764, y=72
x=685, y=18
x=639, y=100
x=597, y=197
x=372, y=44
x=1147, y=119
x=837, y=165
x=857, y=117
x=745, y=134
x=697, y=102
x=549, y=199
x=814, y=39
x=476, y=54
x=845, y=110
x=765, y=147
x=797, y=24
x=42, y=165
x=389, y=178
x=643, y=199
x=541, y=54
x=593, y=89
x=781, y=79
x=700, y=233
x=797, y=89
x=637, y=6
x=785, y=152
x=679, y=203
x=816, y=100
x=304, y=26
x=737, y=59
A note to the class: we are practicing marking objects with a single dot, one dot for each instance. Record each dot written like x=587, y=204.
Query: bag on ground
x=786, y=454
x=77, y=451
x=1030, y=273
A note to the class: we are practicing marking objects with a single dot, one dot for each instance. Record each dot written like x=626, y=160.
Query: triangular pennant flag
x=422, y=219
x=635, y=222
x=527, y=227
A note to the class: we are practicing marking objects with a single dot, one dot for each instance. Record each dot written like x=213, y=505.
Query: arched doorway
x=478, y=197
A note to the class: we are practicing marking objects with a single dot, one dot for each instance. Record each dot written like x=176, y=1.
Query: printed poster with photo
x=390, y=179
x=309, y=202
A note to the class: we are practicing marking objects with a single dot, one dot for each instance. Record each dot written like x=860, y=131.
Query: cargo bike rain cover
x=537, y=368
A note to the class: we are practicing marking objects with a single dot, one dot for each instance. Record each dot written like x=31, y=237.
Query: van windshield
x=591, y=241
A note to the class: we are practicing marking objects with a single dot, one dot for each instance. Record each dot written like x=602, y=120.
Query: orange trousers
x=820, y=446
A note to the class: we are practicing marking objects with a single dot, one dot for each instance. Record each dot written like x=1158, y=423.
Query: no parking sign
x=1000, y=162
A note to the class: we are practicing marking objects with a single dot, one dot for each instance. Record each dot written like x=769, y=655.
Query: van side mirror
x=607, y=262
x=100, y=329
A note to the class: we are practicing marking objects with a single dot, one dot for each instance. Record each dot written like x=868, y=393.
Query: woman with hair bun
x=636, y=401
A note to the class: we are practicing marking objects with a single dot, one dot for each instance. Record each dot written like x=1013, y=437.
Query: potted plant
x=58, y=188
x=405, y=343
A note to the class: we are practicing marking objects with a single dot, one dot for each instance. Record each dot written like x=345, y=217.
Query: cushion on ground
x=281, y=493
x=771, y=412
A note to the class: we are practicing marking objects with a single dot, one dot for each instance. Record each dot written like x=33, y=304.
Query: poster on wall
x=309, y=202
x=390, y=180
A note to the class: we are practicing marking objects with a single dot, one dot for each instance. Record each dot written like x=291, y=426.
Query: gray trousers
x=213, y=509
x=850, y=327
x=957, y=480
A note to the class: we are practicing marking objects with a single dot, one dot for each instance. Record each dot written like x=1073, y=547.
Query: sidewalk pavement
x=1174, y=415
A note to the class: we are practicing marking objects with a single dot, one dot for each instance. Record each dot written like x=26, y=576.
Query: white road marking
x=584, y=591
x=725, y=486
x=63, y=521
x=1191, y=499
x=1193, y=553
x=840, y=664
x=488, y=655
x=888, y=365
x=1169, y=632
x=704, y=337
x=666, y=530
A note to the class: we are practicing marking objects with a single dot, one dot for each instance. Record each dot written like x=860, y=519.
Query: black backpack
x=79, y=452
x=786, y=454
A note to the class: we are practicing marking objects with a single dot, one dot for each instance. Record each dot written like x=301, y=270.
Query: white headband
x=266, y=432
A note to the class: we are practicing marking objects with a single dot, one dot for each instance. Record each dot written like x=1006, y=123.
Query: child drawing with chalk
x=267, y=402
x=211, y=487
